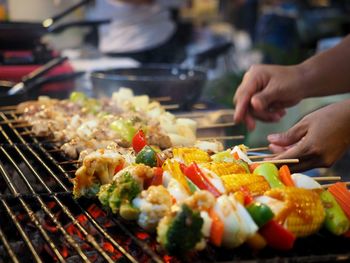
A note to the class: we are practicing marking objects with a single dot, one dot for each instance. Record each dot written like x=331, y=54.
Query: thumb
x=290, y=137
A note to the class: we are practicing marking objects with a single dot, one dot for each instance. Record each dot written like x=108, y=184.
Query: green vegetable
x=77, y=97
x=92, y=105
x=336, y=221
x=260, y=213
x=120, y=192
x=105, y=193
x=192, y=186
x=224, y=156
x=128, y=212
x=183, y=232
x=244, y=165
x=90, y=191
x=124, y=129
x=270, y=172
x=147, y=156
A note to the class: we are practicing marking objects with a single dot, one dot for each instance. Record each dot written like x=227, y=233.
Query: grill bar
x=8, y=247
x=31, y=214
x=89, y=238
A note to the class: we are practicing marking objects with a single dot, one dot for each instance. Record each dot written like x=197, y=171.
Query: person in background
x=318, y=139
x=141, y=29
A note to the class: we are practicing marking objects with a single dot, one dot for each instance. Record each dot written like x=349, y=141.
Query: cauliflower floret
x=153, y=203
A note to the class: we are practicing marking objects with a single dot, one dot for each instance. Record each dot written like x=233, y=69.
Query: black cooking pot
x=182, y=83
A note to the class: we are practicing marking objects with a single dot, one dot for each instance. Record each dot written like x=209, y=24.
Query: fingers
x=243, y=95
x=250, y=122
x=270, y=116
x=290, y=137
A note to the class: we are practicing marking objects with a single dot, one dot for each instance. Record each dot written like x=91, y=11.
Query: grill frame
x=17, y=140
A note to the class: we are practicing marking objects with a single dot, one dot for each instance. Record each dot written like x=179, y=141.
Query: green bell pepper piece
x=147, y=156
x=336, y=221
x=260, y=213
x=124, y=129
x=270, y=172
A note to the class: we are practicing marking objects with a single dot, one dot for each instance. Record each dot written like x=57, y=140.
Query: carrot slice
x=217, y=229
x=342, y=195
x=285, y=176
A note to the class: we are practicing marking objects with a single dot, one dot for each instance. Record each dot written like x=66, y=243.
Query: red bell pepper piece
x=139, y=141
x=119, y=167
x=199, y=179
x=277, y=236
x=248, y=198
x=158, y=176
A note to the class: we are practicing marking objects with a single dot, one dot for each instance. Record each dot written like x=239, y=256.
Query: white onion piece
x=304, y=181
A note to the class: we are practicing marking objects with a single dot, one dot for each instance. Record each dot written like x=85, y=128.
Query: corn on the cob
x=304, y=213
x=189, y=155
x=256, y=184
x=224, y=168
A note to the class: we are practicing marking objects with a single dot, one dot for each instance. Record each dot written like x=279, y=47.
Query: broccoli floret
x=105, y=193
x=184, y=231
x=126, y=188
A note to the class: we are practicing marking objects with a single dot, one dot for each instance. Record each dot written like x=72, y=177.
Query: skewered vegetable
x=342, y=195
x=277, y=236
x=190, y=155
x=336, y=221
x=147, y=156
x=225, y=168
x=179, y=232
x=260, y=213
x=256, y=184
x=270, y=172
x=303, y=214
x=139, y=141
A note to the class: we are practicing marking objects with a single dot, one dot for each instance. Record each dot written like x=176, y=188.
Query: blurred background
x=223, y=37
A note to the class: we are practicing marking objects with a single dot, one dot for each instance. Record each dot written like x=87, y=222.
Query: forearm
x=327, y=73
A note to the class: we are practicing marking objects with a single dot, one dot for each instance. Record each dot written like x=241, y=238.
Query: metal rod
x=8, y=248
x=89, y=238
x=70, y=240
x=10, y=107
x=71, y=162
x=55, y=150
x=21, y=231
x=25, y=125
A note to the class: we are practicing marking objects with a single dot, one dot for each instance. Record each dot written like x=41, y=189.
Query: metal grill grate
x=41, y=222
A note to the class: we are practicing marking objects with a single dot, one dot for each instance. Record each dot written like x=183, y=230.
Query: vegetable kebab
x=191, y=197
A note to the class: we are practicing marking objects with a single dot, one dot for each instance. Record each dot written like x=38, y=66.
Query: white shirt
x=133, y=27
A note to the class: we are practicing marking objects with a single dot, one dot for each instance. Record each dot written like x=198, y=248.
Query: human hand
x=136, y=2
x=266, y=91
x=318, y=140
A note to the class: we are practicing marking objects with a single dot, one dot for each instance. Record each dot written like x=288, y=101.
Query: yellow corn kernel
x=256, y=184
x=189, y=155
x=224, y=168
x=304, y=213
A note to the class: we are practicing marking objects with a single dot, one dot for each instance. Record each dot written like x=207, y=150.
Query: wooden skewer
x=71, y=162
x=258, y=149
x=12, y=122
x=216, y=125
x=161, y=99
x=32, y=133
x=171, y=106
x=10, y=107
x=254, y=157
x=327, y=178
x=71, y=171
x=218, y=138
x=25, y=125
x=328, y=185
x=278, y=161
